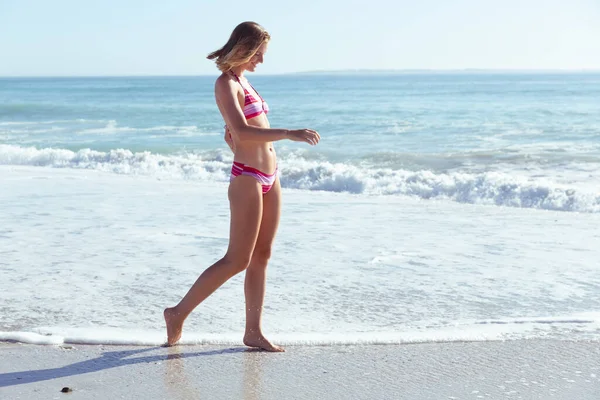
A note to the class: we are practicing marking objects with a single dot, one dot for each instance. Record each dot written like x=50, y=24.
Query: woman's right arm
x=226, y=93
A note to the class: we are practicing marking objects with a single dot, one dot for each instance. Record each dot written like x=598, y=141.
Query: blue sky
x=158, y=37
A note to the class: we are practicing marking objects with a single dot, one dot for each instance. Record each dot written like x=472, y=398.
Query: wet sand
x=524, y=369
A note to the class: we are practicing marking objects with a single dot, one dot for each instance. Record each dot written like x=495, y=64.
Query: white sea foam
x=458, y=331
x=493, y=188
x=117, y=337
x=30, y=337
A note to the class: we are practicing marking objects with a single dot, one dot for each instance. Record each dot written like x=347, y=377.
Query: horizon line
x=335, y=71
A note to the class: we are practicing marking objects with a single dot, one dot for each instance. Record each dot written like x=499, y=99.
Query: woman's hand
x=305, y=135
x=229, y=139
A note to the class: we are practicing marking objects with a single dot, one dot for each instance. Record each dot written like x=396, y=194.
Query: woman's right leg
x=245, y=199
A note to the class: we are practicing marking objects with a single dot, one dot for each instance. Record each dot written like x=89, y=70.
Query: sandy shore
x=534, y=369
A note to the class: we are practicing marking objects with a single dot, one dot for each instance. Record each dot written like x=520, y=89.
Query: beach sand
x=523, y=369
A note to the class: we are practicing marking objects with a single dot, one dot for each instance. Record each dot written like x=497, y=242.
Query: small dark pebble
x=66, y=389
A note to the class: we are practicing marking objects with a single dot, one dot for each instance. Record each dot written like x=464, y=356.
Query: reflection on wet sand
x=176, y=378
x=253, y=374
x=192, y=383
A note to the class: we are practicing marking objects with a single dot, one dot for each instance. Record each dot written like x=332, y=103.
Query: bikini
x=253, y=107
x=265, y=180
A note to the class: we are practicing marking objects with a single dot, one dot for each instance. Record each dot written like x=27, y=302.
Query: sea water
x=437, y=206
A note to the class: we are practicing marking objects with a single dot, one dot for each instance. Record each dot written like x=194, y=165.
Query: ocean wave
x=493, y=188
x=586, y=325
x=140, y=338
x=62, y=121
x=111, y=128
x=120, y=161
x=485, y=158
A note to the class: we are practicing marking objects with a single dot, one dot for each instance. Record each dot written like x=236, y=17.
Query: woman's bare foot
x=174, y=326
x=258, y=340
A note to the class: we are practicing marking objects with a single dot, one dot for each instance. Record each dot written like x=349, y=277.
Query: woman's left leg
x=256, y=274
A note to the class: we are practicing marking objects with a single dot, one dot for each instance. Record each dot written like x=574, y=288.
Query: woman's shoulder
x=226, y=85
x=224, y=82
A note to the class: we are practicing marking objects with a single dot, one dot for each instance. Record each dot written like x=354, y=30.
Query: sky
x=158, y=37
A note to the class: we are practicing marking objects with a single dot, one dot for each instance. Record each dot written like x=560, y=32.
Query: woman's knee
x=237, y=262
x=261, y=255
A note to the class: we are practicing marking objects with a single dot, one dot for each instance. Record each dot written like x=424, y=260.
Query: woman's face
x=257, y=58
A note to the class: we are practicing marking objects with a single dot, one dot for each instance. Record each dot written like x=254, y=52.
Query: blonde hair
x=243, y=43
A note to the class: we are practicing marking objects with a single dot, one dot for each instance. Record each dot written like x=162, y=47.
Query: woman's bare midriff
x=259, y=155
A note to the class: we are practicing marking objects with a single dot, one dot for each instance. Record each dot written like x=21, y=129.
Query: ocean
x=437, y=207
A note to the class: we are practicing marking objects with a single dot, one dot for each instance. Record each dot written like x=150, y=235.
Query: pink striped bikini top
x=253, y=107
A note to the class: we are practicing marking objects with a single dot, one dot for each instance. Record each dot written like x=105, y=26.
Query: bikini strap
x=255, y=91
x=239, y=81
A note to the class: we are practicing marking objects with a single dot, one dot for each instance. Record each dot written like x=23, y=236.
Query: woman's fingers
x=312, y=136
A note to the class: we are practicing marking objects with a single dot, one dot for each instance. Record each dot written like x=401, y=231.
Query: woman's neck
x=239, y=71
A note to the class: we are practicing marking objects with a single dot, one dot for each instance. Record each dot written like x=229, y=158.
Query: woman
x=254, y=190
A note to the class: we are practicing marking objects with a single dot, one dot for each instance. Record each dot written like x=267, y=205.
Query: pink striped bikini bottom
x=265, y=180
